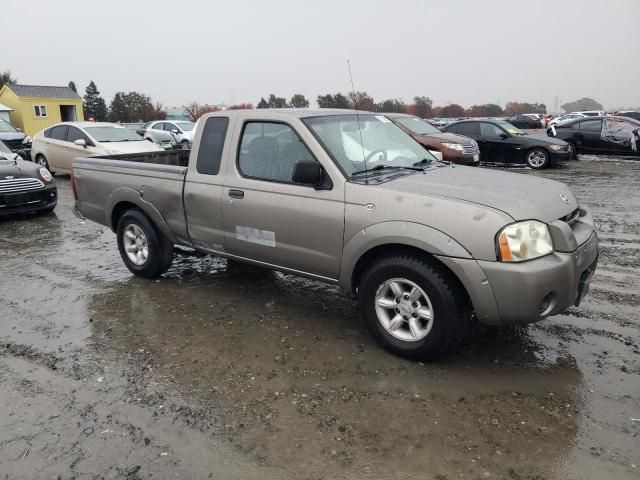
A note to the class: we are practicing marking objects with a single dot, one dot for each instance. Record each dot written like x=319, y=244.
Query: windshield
x=186, y=126
x=509, y=128
x=417, y=125
x=384, y=144
x=6, y=127
x=4, y=149
x=113, y=134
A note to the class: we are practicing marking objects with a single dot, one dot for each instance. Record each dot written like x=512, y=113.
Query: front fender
x=127, y=194
x=411, y=234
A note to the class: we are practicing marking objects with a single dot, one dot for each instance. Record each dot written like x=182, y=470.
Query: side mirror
x=81, y=142
x=175, y=131
x=19, y=129
x=504, y=136
x=307, y=173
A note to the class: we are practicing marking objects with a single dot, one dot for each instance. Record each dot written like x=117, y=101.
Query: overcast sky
x=465, y=51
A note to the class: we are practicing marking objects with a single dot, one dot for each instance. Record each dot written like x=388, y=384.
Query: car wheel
x=573, y=150
x=42, y=161
x=412, y=307
x=185, y=145
x=537, y=158
x=144, y=250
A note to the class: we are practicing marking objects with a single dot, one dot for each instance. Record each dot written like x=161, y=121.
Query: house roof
x=43, y=91
x=4, y=108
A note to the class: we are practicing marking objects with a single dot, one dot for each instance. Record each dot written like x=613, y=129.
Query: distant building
x=36, y=107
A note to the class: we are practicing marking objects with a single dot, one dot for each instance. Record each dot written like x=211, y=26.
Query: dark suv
x=454, y=148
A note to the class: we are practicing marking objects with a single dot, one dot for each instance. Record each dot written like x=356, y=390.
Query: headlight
x=524, y=241
x=556, y=147
x=26, y=140
x=45, y=174
x=453, y=146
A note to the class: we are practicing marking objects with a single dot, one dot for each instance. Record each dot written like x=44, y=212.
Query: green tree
x=422, y=106
x=392, y=105
x=486, y=110
x=518, y=108
x=299, y=101
x=277, y=102
x=333, y=101
x=7, y=79
x=585, y=103
x=262, y=103
x=362, y=101
x=452, y=110
x=94, y=105
x=72, y=86
x=131, y=107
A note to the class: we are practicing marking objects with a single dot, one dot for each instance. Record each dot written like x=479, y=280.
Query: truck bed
x=178, y=158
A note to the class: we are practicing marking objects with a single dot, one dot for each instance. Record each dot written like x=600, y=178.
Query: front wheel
x=144, y=250
x=42, y=161
x=573, y=150
x=537, y=158
x=185, y=145
x=412, y=307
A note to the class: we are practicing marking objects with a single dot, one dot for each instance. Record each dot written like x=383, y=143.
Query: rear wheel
x=537, y=158
x=412, y=307
x=144, y=250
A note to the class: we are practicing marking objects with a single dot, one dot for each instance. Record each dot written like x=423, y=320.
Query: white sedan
x=55, y=147
x=179, y=131
x=565, y=118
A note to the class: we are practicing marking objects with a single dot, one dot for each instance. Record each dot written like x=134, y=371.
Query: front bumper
x=531, y=291
x=559, y=157
x=29, y=201
x=460, y=158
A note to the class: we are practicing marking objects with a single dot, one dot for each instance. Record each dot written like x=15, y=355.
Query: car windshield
x=362, y=143
x=186, y=126
x=6, y=127
x=509, y=128
x=4, y=149
x=113, y=134
x=417, y=125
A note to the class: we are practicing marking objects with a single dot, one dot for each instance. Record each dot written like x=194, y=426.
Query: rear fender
x=129, y=195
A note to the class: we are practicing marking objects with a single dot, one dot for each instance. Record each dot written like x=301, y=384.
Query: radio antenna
x=353, y=90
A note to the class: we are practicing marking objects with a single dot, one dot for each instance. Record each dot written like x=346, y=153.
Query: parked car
x=538, y=117
x=14, y=138
x=600, y=135
x=167, y=131
x=352, y=199
x=501, y=142
x=454, y=148
x=55, y=147
x=565, y=118
x=592, y=113
x=24, y=186
x=524, y=121
x=629, y=114
x=143, y=129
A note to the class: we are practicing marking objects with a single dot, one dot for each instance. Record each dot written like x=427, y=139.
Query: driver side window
x=269, y=151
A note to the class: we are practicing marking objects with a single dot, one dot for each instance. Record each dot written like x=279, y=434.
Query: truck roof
x=293, y=112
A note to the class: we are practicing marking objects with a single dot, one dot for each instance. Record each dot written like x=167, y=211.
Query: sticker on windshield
x=383, y=119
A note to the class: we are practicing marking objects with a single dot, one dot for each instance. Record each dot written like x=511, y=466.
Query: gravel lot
x=226, y=372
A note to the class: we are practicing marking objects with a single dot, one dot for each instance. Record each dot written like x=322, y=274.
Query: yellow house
x=36, y=107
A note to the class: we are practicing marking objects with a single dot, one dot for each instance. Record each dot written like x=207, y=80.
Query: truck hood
x=520, y=196
x=130, y=147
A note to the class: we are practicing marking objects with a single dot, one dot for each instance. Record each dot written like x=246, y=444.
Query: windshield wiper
x=377, y=168
x=424, y=161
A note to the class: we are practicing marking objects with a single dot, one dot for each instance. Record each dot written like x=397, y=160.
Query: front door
x=268, y=217
x=589, y=136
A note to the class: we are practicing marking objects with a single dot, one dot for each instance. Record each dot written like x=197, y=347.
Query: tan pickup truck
x=352, y=199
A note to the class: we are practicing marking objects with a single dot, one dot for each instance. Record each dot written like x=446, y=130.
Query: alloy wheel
x=135, y=244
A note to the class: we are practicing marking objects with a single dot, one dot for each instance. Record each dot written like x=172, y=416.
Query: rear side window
x=590, y=125
x=466, y=128
x=59, y=132
x=211, y=144
x=47, y=133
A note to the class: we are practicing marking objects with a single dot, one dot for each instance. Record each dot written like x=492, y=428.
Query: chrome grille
x=470, y=149
x=19, y=185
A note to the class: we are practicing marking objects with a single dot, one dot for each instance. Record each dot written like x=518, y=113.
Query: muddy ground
x=220, y=372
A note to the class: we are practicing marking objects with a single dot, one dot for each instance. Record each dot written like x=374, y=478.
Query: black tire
x=185, y=145
x=537, y=153
x=160, y=250
x=451, y=309
x=574, y=150
x=42, y=161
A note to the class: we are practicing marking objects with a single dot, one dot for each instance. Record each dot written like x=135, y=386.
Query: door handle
x=236, y=193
